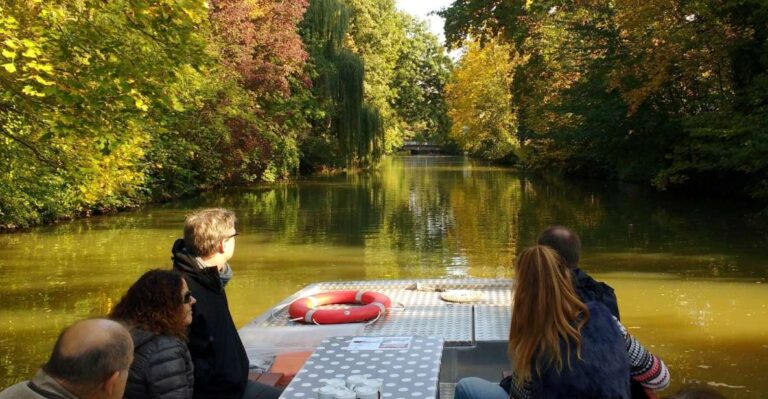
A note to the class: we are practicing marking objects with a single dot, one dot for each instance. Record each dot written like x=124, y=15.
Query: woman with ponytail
x=561, y=347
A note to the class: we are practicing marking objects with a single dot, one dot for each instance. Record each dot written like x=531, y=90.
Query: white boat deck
x=418, y=312
x=474, y=335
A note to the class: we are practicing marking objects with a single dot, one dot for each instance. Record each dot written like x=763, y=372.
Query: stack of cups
x=334, y=388
x=365, y=388
x=354, y=380
x=355, y=387
x=369, y=389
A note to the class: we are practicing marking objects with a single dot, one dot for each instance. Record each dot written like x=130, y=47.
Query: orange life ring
x=305, y=309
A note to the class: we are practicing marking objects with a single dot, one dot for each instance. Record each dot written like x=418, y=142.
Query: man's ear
x=112, y=384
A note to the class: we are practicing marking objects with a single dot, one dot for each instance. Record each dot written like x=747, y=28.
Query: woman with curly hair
x=157, y=309
x=561, y=347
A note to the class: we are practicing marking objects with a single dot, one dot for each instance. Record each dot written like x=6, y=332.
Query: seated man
x=202, y=258
x=568, y=245
x=89, y=361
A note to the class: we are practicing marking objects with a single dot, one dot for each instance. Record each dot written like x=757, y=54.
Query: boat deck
x=418, y=310
x=474, y=334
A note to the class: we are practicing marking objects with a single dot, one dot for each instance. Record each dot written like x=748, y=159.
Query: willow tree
x=345, y=128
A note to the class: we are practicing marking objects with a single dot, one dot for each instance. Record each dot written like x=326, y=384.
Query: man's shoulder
x=45, y=384
x=590, y=289
x=20, y=390
x=583, y=279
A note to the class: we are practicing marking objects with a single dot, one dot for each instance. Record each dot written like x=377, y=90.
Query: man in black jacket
x=221, y=364
x=567, y=243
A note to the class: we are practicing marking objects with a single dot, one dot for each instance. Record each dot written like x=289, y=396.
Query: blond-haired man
x=202, y=257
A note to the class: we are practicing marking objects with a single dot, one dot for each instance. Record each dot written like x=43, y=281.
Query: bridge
x=416, y=147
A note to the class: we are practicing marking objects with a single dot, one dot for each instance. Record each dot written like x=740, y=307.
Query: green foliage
x=105, y=105
x=663, y=91
x=421, y=73
x=78, y=94
x=346, y=127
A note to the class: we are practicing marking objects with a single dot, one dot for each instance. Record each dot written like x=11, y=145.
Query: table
x=406, y=373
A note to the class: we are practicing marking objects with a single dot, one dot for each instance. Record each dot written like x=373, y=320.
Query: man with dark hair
x=221, y=364
x=90, y=360
x=567, y=243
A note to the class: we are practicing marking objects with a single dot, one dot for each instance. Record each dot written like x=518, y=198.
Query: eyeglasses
x=232, y=236
x=187, y=298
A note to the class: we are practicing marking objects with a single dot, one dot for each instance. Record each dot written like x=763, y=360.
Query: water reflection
x=690, y=275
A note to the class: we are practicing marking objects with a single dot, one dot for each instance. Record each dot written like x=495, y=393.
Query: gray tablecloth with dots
x=406, y=373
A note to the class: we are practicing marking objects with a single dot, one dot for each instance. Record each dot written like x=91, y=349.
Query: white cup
x=344, y=393
x=355, y=380
x=327, y=392
x=367, y=392
x=373, y=382
x=336, y=382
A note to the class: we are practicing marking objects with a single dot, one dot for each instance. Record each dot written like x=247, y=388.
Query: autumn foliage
x=667, y=92
x=105, y=105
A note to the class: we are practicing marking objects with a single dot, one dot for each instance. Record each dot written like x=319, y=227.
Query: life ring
x=305, y=309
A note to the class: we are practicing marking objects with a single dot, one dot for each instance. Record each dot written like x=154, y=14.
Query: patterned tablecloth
x=410, y=373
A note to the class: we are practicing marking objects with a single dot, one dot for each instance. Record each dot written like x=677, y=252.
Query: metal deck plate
x=492, y=322
x=421, y=312
x=451, y=322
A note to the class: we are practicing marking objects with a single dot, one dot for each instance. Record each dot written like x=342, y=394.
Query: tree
x=346, y=129
x=661, y=91
x=421, y=73
x=479, y=102
x=81, y=84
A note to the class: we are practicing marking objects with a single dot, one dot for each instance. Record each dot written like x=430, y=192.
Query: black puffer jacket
x=590, y=289
x=221, y=364
x=161, y=369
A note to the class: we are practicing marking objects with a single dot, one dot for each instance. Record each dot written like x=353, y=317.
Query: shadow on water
x=690, y=274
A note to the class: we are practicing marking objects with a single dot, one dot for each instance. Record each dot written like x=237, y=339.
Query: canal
x=690, y=274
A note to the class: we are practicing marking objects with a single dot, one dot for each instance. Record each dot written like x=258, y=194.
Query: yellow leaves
x=139, y=100
x=8, y=54
x=479, y=100
x=176, y=104
x=10, y=43
x=31, y=53
x=113, y=173
x=41, y=80
x=83, y=59
x=10, y=67
x=31, y=91
x=47, y=68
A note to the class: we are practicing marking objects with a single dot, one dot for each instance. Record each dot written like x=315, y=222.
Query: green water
x=690, y=274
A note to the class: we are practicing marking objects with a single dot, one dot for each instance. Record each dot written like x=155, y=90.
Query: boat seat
x=271, y=379
x=288, y=364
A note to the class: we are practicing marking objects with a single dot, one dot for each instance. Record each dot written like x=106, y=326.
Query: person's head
x=159, y=301
x=564, y=241
x=91, y=359
x=545, y=312
x=210, y=232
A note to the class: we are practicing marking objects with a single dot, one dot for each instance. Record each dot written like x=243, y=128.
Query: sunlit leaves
x=480, y=103
x=661, y=91
x=78, y=83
